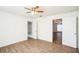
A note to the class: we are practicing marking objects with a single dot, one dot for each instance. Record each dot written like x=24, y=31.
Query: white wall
x=45, y=28
x=69, y=31
x=12, y=28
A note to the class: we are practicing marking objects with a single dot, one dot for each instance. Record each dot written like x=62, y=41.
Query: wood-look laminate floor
x=36, y=46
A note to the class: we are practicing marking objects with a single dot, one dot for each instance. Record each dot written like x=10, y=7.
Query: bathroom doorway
x=57, y=31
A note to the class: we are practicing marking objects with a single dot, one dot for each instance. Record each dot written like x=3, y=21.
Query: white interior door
x=69, y=31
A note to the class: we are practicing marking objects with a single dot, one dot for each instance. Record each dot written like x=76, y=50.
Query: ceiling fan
x=34, y=10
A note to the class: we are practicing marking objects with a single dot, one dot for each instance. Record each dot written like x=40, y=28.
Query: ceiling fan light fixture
x=34, y=12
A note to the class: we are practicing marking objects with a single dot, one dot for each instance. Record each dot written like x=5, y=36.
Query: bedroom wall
x=45, y=28
x=12, y=28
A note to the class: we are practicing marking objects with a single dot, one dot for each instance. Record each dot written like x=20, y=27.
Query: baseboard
x=5, y=43
x=69, y=45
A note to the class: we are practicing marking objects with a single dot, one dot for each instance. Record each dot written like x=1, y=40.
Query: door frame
x=52, y=30
x=77, y=32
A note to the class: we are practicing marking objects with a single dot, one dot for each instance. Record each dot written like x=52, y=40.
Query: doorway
x=29, y=24
x=57, y=31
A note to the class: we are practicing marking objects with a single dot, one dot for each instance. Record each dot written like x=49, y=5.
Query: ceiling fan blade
x=27, y=8
x=40, y=11
x=28, y=12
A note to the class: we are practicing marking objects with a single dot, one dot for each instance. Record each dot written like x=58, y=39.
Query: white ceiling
x=48, y=10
